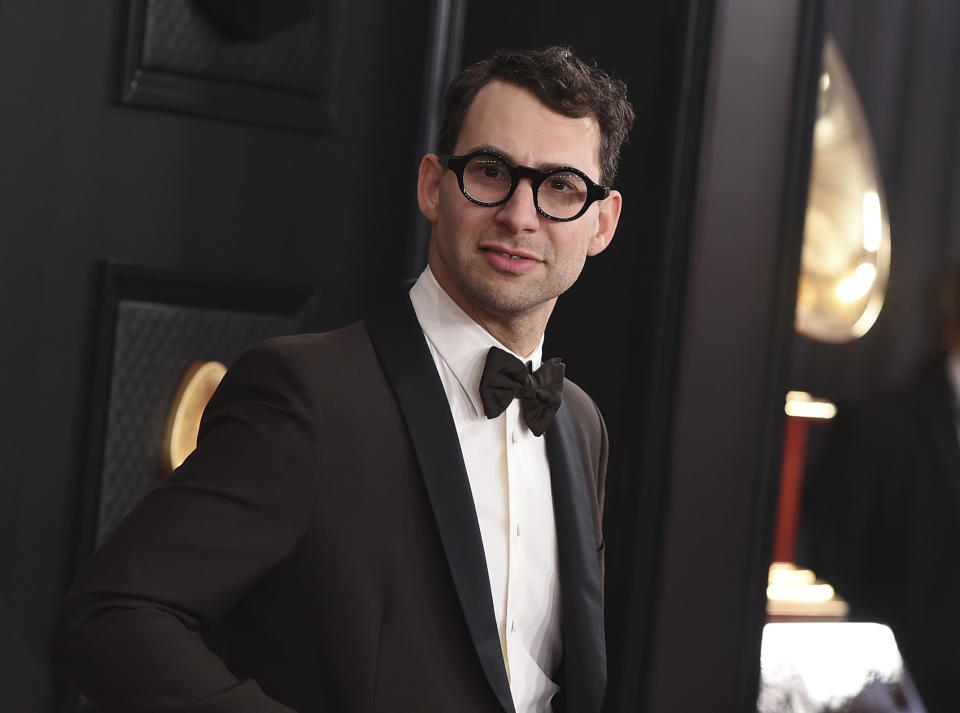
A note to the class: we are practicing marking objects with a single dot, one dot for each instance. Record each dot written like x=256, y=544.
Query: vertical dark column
x=728, y=411
x=445, y=36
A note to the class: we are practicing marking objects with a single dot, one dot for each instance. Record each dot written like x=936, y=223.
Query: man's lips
x=511, y=253
x=509, y=260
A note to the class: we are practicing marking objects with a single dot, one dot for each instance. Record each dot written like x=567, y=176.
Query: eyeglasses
x=487, y=178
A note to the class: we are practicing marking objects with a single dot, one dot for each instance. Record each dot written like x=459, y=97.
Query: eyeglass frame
x=457, y=164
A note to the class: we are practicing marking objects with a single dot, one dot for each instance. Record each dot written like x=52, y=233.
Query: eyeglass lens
x=487, y=179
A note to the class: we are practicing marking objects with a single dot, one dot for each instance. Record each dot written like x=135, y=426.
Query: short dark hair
x=558, y=78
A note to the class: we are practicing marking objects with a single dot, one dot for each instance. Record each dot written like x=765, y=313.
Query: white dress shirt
x=510, y=481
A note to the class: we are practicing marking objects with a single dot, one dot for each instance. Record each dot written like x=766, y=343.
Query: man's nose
x=519, y=213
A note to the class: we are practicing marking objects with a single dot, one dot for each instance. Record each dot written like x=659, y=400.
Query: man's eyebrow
x=493, y=149
x=544, y=166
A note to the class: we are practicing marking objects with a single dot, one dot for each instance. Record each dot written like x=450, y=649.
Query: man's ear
x=607, y=221
x=428, y=187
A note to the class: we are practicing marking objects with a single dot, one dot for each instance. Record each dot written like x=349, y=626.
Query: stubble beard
x=505, y=296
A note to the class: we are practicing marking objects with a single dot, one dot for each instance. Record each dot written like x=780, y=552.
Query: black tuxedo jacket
x=881, y=523
x=320, y=551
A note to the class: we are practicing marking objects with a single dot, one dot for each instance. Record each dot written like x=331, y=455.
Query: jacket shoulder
x=307, y=347
x=590, y=429
x=310, y=359
x=583, y=410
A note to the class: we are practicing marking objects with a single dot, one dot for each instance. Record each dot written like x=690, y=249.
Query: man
x=382, y=518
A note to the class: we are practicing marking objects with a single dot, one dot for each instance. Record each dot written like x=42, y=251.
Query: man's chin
x=511, y=300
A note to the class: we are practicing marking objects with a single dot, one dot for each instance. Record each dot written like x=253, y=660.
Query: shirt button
x=518, y=529
x=514, y=437
x=513, y=627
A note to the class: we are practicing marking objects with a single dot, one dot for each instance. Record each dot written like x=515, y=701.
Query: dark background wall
x=83, y=178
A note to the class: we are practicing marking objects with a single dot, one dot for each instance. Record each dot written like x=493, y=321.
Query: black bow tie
x=505, y=377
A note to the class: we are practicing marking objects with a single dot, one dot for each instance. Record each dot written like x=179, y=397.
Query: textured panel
x=181, y=58
x=153, y=346
x=180, y=37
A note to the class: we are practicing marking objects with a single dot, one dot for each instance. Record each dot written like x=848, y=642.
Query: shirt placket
x=515, y=592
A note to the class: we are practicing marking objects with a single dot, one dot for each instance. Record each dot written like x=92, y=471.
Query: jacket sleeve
x=592, y=436
x=604, y=450
x=130, y=632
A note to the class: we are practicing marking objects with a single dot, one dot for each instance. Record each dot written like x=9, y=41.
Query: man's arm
x=130, y=630
x=592, y=436
x=602, y=487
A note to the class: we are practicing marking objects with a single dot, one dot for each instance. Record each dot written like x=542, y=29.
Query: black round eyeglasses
x=488, y=179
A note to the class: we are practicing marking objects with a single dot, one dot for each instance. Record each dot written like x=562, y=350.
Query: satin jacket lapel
x=406, y=360
x=581, y=586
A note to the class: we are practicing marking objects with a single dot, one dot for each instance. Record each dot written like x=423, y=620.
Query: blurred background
x=179, y=178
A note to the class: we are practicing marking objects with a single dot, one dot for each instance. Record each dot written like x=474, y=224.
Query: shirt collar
x=461, y=343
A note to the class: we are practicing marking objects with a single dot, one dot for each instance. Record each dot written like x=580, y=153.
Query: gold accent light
x=800, y=404
x=794, y=594
x=183, y=422
x=846, y=240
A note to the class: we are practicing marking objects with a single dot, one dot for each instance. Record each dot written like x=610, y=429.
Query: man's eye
x=489, y=169
x=562, y=183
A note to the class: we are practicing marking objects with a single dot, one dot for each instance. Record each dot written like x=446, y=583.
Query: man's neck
x=520, y=332
x=521, y=336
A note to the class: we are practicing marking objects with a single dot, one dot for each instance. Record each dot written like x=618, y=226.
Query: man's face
x=508, y=262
